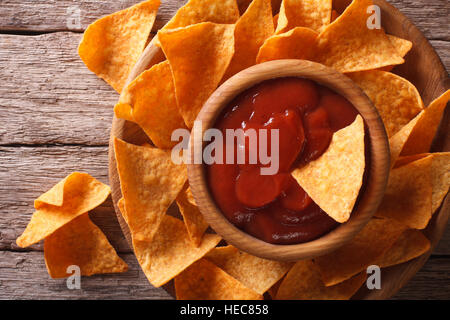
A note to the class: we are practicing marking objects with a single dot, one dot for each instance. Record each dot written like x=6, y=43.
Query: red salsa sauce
x=274, y=208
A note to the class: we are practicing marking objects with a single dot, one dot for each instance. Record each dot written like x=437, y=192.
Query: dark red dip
x=274, y=208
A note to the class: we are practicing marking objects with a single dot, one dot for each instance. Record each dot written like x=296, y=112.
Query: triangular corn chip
x=252, y=29
x=411, y=244
x=150, y=183
x=363, y=250
x=298, y=43
x=348, y=45
x=255, y=273
x=151, y=98
x=312, y=14
x=170, y=251
x=408, y=196
x=197, y=11
x=192, y=217
x=81, y=243
x=78, y=193
x=205, y=281
x=396, y=99
x=333, y=180
x=303, y=282
x=199, y=56
x=112, y=45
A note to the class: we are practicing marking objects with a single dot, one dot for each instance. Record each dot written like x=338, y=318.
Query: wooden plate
x=422, y=67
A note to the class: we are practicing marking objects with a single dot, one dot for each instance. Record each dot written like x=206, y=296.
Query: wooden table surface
x=55, y=118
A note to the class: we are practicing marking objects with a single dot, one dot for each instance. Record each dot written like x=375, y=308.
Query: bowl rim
x=377, y=169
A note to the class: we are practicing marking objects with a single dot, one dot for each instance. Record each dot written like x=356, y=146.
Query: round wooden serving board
x=422, y=67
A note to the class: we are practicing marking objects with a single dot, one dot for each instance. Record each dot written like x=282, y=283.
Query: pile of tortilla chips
x=71, y=239
x=205, y=43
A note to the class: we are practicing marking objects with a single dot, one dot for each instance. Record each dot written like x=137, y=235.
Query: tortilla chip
x=396, y=99
x=252, y=29
x=81, y=243
x=112, y=45
x=192, y=217
x=76, y=194
x=422, y=135
x=151, y=97
x=171, y=251
x=411, y=244
x=150, y=183
x=402, y=46
x=347, y=45
x=205, y=281
x=197, y=11
x=122, y=209
x=408, y=196
x=333, y=181
x=255, y=273
x=298, y=43
x=440, y=178
x=199, y=56
x=303, y=282
x=363, y=250
x=312, y=14
x=440, y=174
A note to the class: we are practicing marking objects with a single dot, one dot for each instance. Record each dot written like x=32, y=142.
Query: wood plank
x=55, y=99
x=431, y=282
x=24, y=276
x=48, y=96
x=53, y=15
x=58, y=15
x=26, y=172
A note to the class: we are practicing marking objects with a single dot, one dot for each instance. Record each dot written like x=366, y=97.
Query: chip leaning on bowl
x=202, y=45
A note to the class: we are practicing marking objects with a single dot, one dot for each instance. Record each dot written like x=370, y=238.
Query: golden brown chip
x=312, y=14
x=298, y=43
x=192, y=217
x=333, y=181
x=348, y=45
x=408, y=196
x=197, y=11
x=402, y=46
x=150, y=183
x=112, y=45
x=252, y=29
x=80, y=243
x=411, y=244
x=421, y=136
x=151, y=99
x=440, y=178
x=205, y=281
x=440, y=174
x=362, y=251
x=303, y=282
x=396, y=99
x=255, y=273
x=171, y=251
x=76, y=194
x=199, y=56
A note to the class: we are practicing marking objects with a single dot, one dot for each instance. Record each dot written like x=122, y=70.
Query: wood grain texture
x=48, y=95
x=55, y=15
x=64, y=118
x=24, y=276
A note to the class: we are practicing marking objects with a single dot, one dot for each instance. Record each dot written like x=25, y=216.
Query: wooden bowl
x=422, y=67
x=378, y=165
